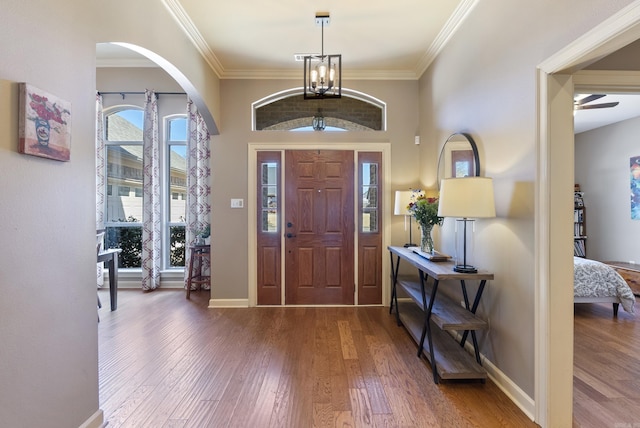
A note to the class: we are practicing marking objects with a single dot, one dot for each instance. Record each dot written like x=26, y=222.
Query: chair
x=197, y=265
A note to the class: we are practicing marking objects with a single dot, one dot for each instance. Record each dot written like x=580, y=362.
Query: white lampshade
x=403, y=198
x=468, y=197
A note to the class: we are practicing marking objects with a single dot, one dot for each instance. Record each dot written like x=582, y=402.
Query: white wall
x=48, y=318
x=602, y=170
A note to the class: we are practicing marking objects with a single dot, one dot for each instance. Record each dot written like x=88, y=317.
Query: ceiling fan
x=580, y=104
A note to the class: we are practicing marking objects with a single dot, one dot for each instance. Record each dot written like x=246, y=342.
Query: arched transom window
x=289, y=111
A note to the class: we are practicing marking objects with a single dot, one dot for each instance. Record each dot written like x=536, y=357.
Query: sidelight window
x=269, y=196
x=369, y=191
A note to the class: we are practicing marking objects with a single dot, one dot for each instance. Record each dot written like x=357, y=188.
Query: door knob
x=290, y=235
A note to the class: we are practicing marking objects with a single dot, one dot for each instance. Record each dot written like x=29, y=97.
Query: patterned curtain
x=100, y=178
x=151, y=210
x=198, y=189
x=100, y=163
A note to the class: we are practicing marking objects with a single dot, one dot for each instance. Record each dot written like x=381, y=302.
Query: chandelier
x=322, y=73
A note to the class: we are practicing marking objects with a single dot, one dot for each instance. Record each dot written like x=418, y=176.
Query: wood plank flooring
x=606, y=376
x=170, y=362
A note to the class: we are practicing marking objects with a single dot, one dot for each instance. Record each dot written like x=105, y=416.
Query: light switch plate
x=237, y=203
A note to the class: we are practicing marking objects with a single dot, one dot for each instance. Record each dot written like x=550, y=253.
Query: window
x=124, y=210
x=176, y=144
x=269, y=188
x=369, y=192
x=288, y=111
x=124, y=191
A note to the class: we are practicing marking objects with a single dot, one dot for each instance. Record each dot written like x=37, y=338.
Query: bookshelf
x=579, y=224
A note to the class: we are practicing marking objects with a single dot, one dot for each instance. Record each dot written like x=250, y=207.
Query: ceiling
x=252, y=39
x=378, y=40
x=629, y=107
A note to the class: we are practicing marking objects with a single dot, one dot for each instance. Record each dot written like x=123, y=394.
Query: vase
x=426, y=241
x=43, y=131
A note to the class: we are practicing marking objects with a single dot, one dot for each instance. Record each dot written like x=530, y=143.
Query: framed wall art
x=634, y=164
x=45, y=124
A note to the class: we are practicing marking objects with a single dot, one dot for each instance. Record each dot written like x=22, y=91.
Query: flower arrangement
x=206, y=231
x=202, y=235
x=424, y=209
x=46, y=110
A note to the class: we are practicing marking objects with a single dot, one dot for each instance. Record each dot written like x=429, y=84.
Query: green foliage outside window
x=129, y=239
x=178, y=237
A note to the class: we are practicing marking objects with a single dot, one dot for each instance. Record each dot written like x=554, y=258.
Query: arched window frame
x=361, y=96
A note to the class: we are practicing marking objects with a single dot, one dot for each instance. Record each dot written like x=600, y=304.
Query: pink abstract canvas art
x=45, y=124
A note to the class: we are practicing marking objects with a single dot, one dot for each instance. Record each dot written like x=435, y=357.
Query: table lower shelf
x=452, y=360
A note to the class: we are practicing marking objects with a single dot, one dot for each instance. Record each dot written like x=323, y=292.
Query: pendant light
x=322, y=73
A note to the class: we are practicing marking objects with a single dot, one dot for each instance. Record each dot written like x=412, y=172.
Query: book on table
x=434, y=256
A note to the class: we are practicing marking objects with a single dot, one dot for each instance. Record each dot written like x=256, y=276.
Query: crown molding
x=450, y=27
x=180, y=15
x=291, y=74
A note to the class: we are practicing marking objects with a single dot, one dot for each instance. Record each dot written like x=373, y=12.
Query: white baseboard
x=95, y=421
x=228, y=303
x=506, y=385
x=510, y=389
x=133, y=279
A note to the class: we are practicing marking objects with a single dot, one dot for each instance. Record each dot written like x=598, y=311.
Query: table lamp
x=466, y=198
x=403, y=198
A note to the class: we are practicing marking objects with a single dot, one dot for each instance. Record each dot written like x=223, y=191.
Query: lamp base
x=465, y=269
x=410, y=245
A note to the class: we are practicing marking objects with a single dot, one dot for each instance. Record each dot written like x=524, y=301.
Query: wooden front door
x=319, y=227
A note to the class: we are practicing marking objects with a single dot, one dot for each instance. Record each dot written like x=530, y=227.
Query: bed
x=596, y=282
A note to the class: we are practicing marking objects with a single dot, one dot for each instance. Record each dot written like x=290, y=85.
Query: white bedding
x=596, y=279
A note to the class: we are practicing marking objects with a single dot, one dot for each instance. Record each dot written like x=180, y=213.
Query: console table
x=428, y=315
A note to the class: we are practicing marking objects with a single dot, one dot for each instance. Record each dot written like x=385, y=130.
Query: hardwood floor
x=169, y=362
x=606, y=377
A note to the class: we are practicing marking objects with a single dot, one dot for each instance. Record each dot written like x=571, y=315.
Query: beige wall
x=148, y=25
x=484, y=83
x=48, y=327
x=230, y=154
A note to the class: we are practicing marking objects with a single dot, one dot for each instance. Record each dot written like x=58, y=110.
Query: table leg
x=394, y=293
x=190, y=274
x=427, y=313
x=426, y=329
x=113, y=281
x=473, y=309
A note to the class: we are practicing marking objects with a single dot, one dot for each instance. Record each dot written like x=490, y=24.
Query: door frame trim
x=557, y=79
x=252, y=197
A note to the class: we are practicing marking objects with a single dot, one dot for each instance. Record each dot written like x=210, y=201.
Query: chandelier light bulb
x=322, y=73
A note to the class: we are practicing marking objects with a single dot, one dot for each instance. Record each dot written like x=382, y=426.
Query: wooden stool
x=196, y=261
